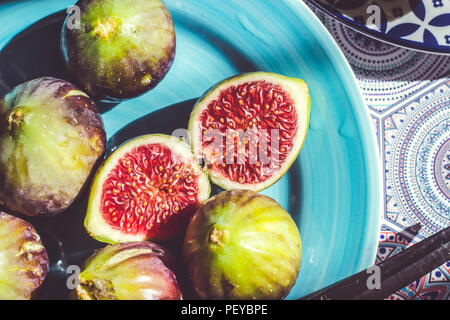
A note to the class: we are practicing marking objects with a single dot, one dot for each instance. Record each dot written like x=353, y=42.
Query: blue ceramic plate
x=416, y=24
x=332, y=190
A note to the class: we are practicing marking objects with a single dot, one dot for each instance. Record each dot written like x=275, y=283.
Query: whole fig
x=121, y=48
x=23, y=259
x=51, y=136
x=129, y=271
x=242, y=245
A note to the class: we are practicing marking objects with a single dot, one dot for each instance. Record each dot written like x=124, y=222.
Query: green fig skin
x=51, y=137
x=129, y=271
x=122, y=49
x=23, y=259
x=241, y=245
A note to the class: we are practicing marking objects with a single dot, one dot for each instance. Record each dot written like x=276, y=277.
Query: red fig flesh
x=147, y=189
x=250, y=129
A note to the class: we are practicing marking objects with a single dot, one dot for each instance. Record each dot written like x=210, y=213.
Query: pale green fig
x=121, y=48
x=242, y=245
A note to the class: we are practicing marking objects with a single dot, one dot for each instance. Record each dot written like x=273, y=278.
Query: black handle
x=393, y=273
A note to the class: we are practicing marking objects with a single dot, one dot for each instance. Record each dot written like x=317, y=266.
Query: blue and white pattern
x=415, y=135
x=408, y=95
x=442, y=168
x=417, y=24
x=386, y=74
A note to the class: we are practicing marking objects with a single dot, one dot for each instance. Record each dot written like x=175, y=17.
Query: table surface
x=408, y=96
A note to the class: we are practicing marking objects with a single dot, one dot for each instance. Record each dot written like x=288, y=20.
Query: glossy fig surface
x=51, y=136
x=121, y=48
x=23, y=259
x=242, y=245
x=129, y=271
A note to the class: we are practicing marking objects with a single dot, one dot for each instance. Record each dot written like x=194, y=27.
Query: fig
x=51, y=137
x=242, y=245
x=23, y=259
x=250, y=129
x=121, y=48
x=129, y=271
x=147, y=189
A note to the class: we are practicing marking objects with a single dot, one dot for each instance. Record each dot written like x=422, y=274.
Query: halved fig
x=23, y=259
x=250, y=129
x=147, y=189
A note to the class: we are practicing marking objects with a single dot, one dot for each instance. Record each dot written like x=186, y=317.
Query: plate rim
x=372, y=139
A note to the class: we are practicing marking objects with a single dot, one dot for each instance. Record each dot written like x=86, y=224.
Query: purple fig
x=129, y=271
x=50, y=139
x=23, y=259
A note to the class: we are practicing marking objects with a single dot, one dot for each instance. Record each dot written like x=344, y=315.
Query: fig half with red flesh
x=250, y=129
x=147, y=189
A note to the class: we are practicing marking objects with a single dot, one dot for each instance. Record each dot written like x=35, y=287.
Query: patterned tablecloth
x=408, y=96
